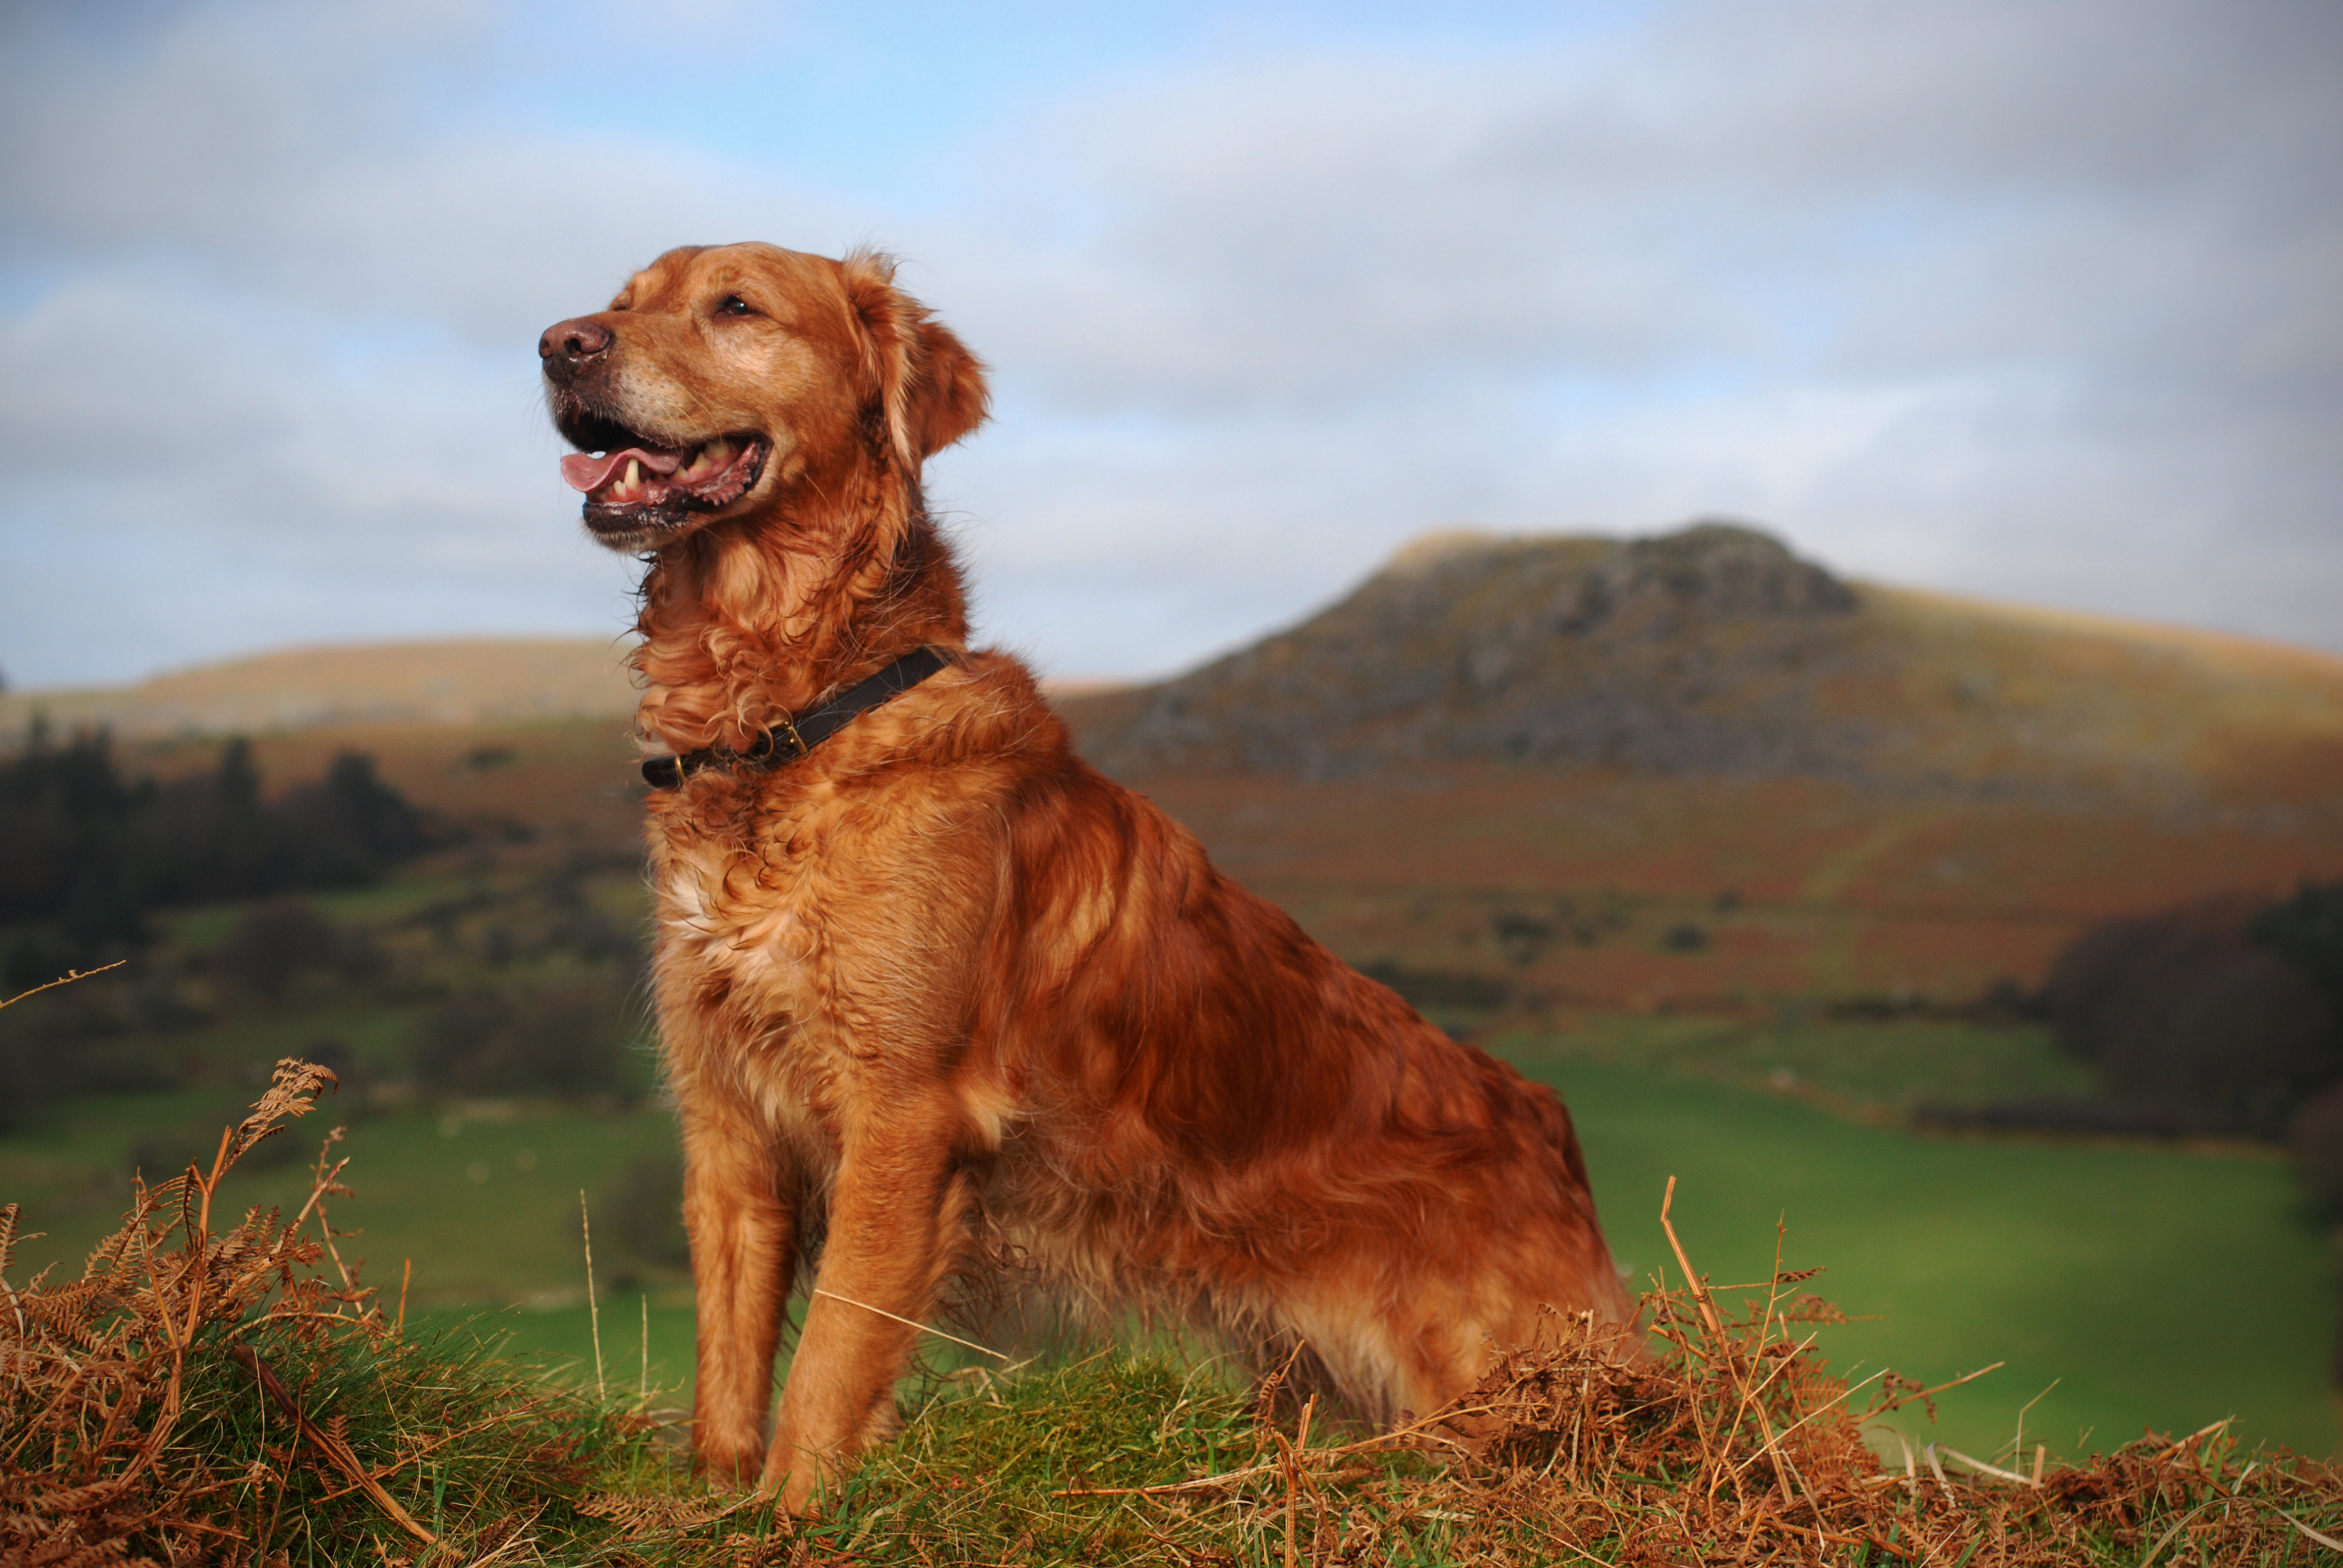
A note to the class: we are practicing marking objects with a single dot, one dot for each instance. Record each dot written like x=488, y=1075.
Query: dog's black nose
x=568, y=348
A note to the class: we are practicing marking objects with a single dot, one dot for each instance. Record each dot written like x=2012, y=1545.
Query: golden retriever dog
x=931, y=991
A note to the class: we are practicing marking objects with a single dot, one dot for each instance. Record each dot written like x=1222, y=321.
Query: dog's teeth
x=718, y=452
x=634, y=472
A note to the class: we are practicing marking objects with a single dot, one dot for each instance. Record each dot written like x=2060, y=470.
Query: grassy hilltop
x=229, y=1390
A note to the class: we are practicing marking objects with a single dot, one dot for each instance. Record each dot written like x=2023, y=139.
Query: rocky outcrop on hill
x=1712, y=650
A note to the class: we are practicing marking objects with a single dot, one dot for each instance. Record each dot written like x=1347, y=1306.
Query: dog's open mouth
x=633, y=485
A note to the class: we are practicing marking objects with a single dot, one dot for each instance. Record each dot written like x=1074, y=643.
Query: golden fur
x=941, y=973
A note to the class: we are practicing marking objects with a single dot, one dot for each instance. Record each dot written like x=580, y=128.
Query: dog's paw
x=729, y=1468
x=798, y=1489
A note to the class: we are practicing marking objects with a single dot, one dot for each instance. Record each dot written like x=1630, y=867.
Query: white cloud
x=2031, y=300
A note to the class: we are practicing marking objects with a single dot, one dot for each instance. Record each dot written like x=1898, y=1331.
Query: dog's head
x=722, y=379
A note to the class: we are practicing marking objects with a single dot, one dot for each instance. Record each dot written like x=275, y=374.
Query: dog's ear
x=950, y=398
x=931, y=387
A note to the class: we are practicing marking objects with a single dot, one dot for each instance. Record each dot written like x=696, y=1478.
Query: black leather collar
x=793, y=737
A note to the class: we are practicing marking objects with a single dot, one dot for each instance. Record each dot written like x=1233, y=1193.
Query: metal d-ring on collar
x=792, y=735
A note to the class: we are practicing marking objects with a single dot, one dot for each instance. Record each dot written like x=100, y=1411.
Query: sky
x=2036, y=301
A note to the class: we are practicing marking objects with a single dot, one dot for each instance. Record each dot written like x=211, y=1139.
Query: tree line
x=89, y=851
x=2222, y=1018
x=2223, y=1013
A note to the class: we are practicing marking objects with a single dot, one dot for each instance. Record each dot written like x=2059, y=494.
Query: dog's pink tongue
x=584, y=471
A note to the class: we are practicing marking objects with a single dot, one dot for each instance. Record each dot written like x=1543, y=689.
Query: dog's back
x=1167, y=1095
x=1223, y=1119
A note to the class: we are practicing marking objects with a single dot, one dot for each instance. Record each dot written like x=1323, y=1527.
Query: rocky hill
x=1714, y=650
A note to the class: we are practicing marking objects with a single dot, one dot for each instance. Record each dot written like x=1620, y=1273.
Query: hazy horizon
x=616, y=640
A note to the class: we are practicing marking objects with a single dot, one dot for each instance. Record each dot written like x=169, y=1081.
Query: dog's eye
x=734, y=306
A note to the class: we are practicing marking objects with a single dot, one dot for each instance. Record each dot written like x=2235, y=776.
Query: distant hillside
x=1714, y=651
x=473, y=681
x=1711, y=652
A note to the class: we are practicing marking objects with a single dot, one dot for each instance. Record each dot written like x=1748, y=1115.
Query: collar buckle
x=669, y=772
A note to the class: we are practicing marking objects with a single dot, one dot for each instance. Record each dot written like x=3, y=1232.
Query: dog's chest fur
x=805, y=943
x=747, y=903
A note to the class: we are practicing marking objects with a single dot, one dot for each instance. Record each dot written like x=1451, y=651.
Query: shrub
x=276, y=943
x=561, y=1043
x=644, y=1210
x=2183, y=1010
x=80, y=1042
x=24, y=1083
x=2307, y=931
x=2315, y=1141
x=1441, y=988
x=1685, y=938
x=1521, y=937
x=2063, y=1114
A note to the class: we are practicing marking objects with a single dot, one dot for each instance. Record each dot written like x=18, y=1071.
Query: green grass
x=247, y=1043
x=1871, y=1071
x=486, y=1209
x=1144, y=1422
x=518, y=1452
x=403, y=897
x=2156, y=1287
x=646, y=1339
x=2161, y=1287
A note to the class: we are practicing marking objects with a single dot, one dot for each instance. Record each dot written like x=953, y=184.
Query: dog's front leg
x=739, y=1207
x=896, y=1204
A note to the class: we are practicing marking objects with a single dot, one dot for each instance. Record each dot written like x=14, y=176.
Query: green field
x=1865, y=1070
x=483, y=1199
x=2154, y=1286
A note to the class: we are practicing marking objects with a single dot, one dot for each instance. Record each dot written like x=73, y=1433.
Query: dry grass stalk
x=142, y=1419
x=66, y=979
x=593, y=1302
x=1580, y=1450
x=97, y=1368
x=328, y=1443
